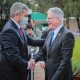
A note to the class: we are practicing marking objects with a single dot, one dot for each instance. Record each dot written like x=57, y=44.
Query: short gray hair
x=57, y=11
x=18, y=8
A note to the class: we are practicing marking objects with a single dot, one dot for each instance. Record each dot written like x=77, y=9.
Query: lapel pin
x=58, y=34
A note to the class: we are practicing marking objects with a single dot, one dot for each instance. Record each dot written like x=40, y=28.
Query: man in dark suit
x=58, y=48
x=14, y=62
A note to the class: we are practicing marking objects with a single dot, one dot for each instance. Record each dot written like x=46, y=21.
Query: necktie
x=52, y=36
x=21, y=31
x=22, y=34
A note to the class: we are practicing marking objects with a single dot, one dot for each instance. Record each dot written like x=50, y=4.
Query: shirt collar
x=57, y=29
x=15, y=23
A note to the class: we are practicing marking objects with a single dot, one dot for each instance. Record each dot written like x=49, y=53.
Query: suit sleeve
x=41, y=55
x=66, y=55
x=45, y=34
x=33, y=42
x=9, y=41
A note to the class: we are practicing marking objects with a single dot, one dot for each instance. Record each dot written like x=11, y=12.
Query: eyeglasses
x=52, y=18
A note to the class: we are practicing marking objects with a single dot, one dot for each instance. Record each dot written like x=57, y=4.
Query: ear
x=58, y=20
x=17, y=14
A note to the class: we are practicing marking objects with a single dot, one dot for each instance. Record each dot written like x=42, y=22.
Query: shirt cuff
x=28, y=66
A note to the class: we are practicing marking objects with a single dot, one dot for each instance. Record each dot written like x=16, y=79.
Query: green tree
x=5, y=8
x=72, y=9
x=44, y=5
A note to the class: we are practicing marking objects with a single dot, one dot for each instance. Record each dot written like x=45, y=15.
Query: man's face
x=22, y=15
x=53, y=21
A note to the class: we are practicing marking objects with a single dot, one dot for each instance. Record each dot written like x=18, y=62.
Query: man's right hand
x=42, y=64
x=30, y=31
x=31, y=64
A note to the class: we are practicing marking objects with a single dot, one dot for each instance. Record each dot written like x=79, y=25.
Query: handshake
x=32, y=64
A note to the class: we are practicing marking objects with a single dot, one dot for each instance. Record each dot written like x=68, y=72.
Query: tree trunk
x=78, y=23
x=67, y=23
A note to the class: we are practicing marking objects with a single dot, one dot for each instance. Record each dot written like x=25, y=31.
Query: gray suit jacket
x=58, y=57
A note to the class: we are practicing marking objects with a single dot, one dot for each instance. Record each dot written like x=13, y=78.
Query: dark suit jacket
x=14, y=52
x=58, y=57
x=45, y=33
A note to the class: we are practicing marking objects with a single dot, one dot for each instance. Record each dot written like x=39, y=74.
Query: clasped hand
x=32, y=64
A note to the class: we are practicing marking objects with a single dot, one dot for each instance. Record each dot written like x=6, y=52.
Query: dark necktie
x=21, y=31
x=51, y=40
x=22, y=34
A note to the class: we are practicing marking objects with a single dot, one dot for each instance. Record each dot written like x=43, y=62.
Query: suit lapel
x=48, y=41
x=57, y=39
x=15, y=27
x=21, y=37
x=25, y=37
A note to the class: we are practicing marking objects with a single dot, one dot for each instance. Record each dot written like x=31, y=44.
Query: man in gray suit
x=58, y=48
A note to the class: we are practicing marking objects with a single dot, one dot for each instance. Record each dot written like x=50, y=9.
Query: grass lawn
x=76, y=56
